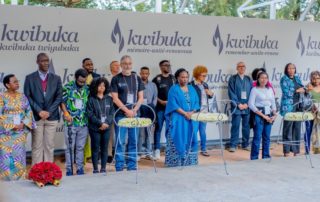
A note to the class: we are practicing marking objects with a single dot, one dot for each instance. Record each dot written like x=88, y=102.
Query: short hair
x=42, y=55
x=240, y=63
x=198, y=70
x=260, y=74
x=113, y=61
x=313, y=74
x=178, y=72
x=286, y=68
x=163, y=61
x=255, y=72
x=85, y=59
x=125, y=57
x=96, y=83
x=6, y=80
x=144, y=68
x=81, y=72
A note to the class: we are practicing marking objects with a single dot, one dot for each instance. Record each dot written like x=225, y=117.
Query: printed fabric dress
x=13, y=142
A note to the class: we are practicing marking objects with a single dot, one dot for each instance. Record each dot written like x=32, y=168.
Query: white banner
x=69, y=35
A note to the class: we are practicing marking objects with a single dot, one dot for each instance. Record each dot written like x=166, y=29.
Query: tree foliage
x=289, y=9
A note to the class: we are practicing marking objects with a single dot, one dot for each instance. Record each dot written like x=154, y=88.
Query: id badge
x=103, y=119
x=267, y=110
x=16, y=120
x=243, y=95
x=130, y=98
x=145, y=101
x=78, y=104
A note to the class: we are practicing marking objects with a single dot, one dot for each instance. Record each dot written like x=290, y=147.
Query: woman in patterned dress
x=291, y=87
x=182, y=143
x=16, y=121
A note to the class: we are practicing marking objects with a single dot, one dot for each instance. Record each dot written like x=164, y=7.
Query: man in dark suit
x=44, y=92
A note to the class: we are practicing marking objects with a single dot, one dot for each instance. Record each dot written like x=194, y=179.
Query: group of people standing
x=254, y=105
x=88, y=104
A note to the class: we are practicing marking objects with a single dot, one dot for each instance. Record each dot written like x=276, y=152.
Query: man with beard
x=127, y=93
x=75, y=99
x=163, y=82
x=87, y=64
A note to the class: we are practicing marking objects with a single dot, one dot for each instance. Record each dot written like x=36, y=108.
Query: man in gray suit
x=44, y=92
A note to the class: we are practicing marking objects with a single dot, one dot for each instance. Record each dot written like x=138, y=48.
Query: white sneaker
x=157, y=154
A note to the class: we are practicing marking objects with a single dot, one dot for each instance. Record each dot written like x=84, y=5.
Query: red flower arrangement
x=45, y=173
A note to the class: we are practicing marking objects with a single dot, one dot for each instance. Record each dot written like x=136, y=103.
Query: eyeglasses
x=240, y=66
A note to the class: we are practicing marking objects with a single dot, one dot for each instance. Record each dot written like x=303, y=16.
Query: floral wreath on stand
x=45, y=173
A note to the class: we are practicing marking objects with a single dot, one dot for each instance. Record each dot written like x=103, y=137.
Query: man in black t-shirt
x=127, y=93
x=163, y=82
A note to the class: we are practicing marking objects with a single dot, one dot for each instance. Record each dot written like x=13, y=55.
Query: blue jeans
x=307, y=135
x=235, y=126
x=262, y=129
x=157, y=135
x=120, y=146
x=203, y=135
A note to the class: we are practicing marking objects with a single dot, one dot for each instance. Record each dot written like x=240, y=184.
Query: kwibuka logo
x=117, y=32
x=37, y=34
x=310, y=48
x=247, y=43
x=156, y=38
x=299, y=43
x=217, y=41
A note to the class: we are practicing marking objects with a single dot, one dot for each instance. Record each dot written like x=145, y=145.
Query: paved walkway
x=282, y=179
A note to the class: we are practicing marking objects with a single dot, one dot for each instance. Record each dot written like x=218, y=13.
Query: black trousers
x=99, y=144
x=291, y=132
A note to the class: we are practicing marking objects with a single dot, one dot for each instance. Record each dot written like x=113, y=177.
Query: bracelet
x=66, y=113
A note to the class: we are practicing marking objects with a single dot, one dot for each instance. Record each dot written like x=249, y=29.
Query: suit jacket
x=38, y=101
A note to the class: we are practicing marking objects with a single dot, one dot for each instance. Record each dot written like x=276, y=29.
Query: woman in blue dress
x=182, y=143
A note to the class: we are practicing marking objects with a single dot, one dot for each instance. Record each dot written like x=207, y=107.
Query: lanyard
x=128, y=90
x=100, y=109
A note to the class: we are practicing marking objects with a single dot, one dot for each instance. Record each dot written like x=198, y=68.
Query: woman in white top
x=262, y=103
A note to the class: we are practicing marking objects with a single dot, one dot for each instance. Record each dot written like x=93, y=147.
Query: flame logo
x=300, y=44
x=51, y=67
x=116, y=31
x=264, y=65
x=217, y=41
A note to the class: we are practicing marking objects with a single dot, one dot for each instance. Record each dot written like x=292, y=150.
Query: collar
x=42, y=74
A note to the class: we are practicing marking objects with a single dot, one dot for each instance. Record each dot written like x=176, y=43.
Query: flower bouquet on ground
x=134, y=122
x=209, y=117
x=45, y=173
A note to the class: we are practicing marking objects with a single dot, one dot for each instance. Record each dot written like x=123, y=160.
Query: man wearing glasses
x=239, y=88
x=163, y=82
